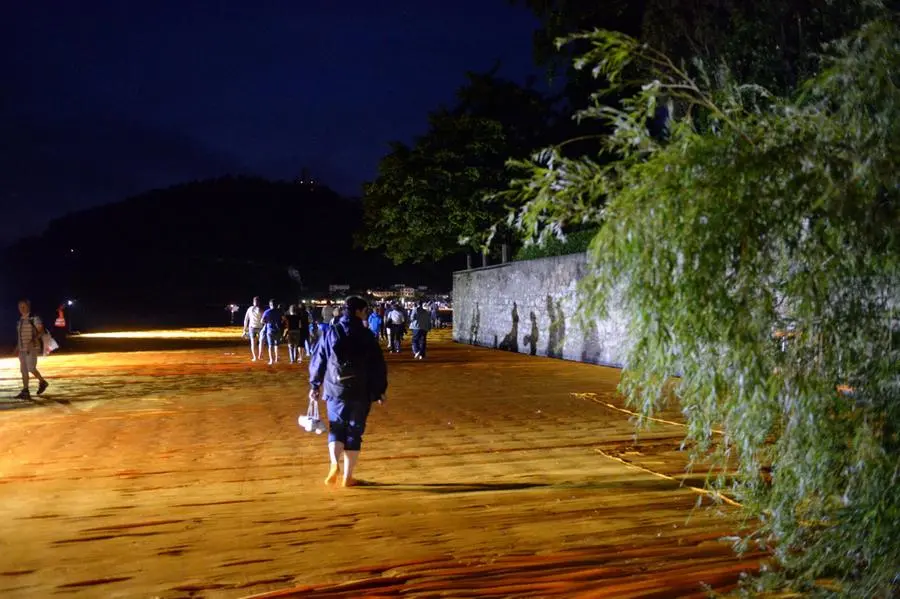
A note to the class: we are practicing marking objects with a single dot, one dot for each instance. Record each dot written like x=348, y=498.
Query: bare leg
x=350, y=459
x=335, y=450
x=253, y=346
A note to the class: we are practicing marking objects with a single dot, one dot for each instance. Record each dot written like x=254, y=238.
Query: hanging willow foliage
x=755, y=242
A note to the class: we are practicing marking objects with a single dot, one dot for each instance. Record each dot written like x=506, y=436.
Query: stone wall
x=532, y=307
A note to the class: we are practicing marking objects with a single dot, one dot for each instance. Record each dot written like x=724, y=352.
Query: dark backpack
x=346, y=369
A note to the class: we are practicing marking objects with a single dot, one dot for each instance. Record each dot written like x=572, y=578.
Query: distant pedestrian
x=419, y=325
x=271, y=331
x=253, y=327
x=395, y=321
x=375, y=323
x=382, y=313
x=304, y=326
x=327, y=316
x=295, y=334
x=435, y=315
x=348, y=370
x=28, y=348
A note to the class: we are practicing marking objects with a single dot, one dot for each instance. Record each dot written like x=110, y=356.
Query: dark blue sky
x=102, y=99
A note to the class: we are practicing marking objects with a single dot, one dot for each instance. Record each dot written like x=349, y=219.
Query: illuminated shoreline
x=191, y=333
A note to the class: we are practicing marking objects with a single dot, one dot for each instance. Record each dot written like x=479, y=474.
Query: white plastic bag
x=311, y=422
x=49, y=343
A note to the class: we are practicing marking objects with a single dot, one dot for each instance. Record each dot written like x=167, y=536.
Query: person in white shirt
x=28, y=348
x=395, y=322
x=253, y=328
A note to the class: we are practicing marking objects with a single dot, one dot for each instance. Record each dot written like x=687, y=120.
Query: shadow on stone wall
x=511, y=340
x=591, y=350
x=557, y=331
x=476, y=323
x=545, y=284
x=531, y=338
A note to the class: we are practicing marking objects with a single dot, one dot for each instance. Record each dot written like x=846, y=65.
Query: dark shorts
x=295, y=337
x=347, y=422
x=273, y=336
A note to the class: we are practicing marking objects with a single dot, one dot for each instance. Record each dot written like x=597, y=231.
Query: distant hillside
x=178, y=255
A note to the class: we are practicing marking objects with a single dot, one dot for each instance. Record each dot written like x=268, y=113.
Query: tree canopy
x=430, y=193
x=756, y=247
x=774, y=43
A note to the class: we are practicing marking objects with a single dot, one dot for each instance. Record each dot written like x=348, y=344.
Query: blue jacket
x=375, y=322
x=271, y=320
x=355, y=344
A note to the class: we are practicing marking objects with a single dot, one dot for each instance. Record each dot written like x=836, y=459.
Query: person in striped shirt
x=28, y=348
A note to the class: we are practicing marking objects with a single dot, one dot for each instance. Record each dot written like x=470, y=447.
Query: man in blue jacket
x=375, y=323
x=348, y=368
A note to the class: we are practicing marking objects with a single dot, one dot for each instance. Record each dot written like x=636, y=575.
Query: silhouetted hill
x=178, y=255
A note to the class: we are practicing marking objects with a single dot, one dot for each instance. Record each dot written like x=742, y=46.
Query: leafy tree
x=430, y=194
x=756, y=248
x=768, y=42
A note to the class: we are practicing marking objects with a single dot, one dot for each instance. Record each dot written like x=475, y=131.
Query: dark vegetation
x=177, y=256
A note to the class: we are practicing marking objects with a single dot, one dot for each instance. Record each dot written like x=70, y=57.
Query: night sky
x=102, y=99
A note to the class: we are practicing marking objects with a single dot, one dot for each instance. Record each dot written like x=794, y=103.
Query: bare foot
x=332, y=475
x=350, y=482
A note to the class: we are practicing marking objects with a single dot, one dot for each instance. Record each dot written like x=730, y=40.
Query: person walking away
x=327, y=316
x=294, y=334
x=253, y=328
x=395, y=321
x=419, y=325
x=382, y=313
x=29, y=347
x=304, y=329
x=375, y=323
x=435, y=315
x=271, y=331
x=349, y=371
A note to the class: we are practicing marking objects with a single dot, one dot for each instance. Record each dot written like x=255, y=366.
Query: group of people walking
x=301, y=326
x=390, y=322
x=347, y=368
x=270, y=327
